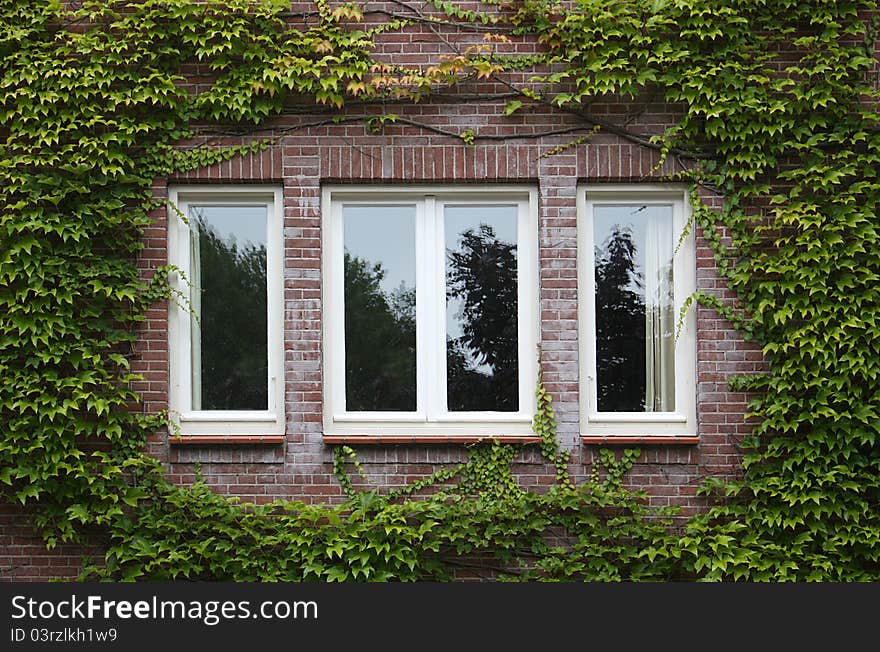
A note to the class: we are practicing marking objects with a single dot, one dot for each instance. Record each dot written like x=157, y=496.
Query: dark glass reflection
x=481, y=309
x=380, y=308
x=634, y=320
x=230, y=341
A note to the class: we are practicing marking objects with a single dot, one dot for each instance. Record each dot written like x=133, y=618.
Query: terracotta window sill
x=202, y=440
x=430, y=439
x=665, y=440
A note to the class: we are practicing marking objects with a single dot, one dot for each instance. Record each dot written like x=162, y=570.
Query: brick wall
x=23, y=554
x=301, y=160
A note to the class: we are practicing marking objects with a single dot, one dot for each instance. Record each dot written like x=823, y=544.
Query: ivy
x=93, y=109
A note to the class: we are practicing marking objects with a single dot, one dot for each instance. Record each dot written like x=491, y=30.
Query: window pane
x=635, y=320
x=380, y=308
x=482, y=371
x=229, y=336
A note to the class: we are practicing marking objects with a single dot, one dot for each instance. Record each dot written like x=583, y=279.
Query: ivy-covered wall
x=421, y=145
x=767, y=110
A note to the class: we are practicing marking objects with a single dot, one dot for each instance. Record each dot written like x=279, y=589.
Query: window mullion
x=438, y=340
x=426, y=372
x=434, y=341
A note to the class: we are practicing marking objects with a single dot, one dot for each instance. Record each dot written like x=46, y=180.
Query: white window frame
x=431, y=416
x=682, y=421
x=224, y=422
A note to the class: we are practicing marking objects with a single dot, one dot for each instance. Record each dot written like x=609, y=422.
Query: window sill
x=430, y=439
x=211, y=440
x=622, y=440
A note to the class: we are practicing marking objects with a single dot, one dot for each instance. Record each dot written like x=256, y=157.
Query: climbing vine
x=778, y=118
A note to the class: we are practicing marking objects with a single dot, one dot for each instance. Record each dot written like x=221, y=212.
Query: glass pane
x=482, y=371
x=380, y=308
x=230, y=341
x=635, y=320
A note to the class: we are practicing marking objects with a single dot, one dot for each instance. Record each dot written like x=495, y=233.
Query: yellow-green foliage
x=91, y=105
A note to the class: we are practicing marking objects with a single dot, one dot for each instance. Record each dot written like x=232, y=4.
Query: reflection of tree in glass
x=481, y=364
x=233, y=323
x=380, y=340
x=620, y=325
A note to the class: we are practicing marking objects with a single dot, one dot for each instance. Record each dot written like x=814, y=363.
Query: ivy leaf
x=512, y=107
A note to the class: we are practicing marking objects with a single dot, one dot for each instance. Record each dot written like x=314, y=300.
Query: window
x=226, y=328
x=431, y=313
x=636, y=268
